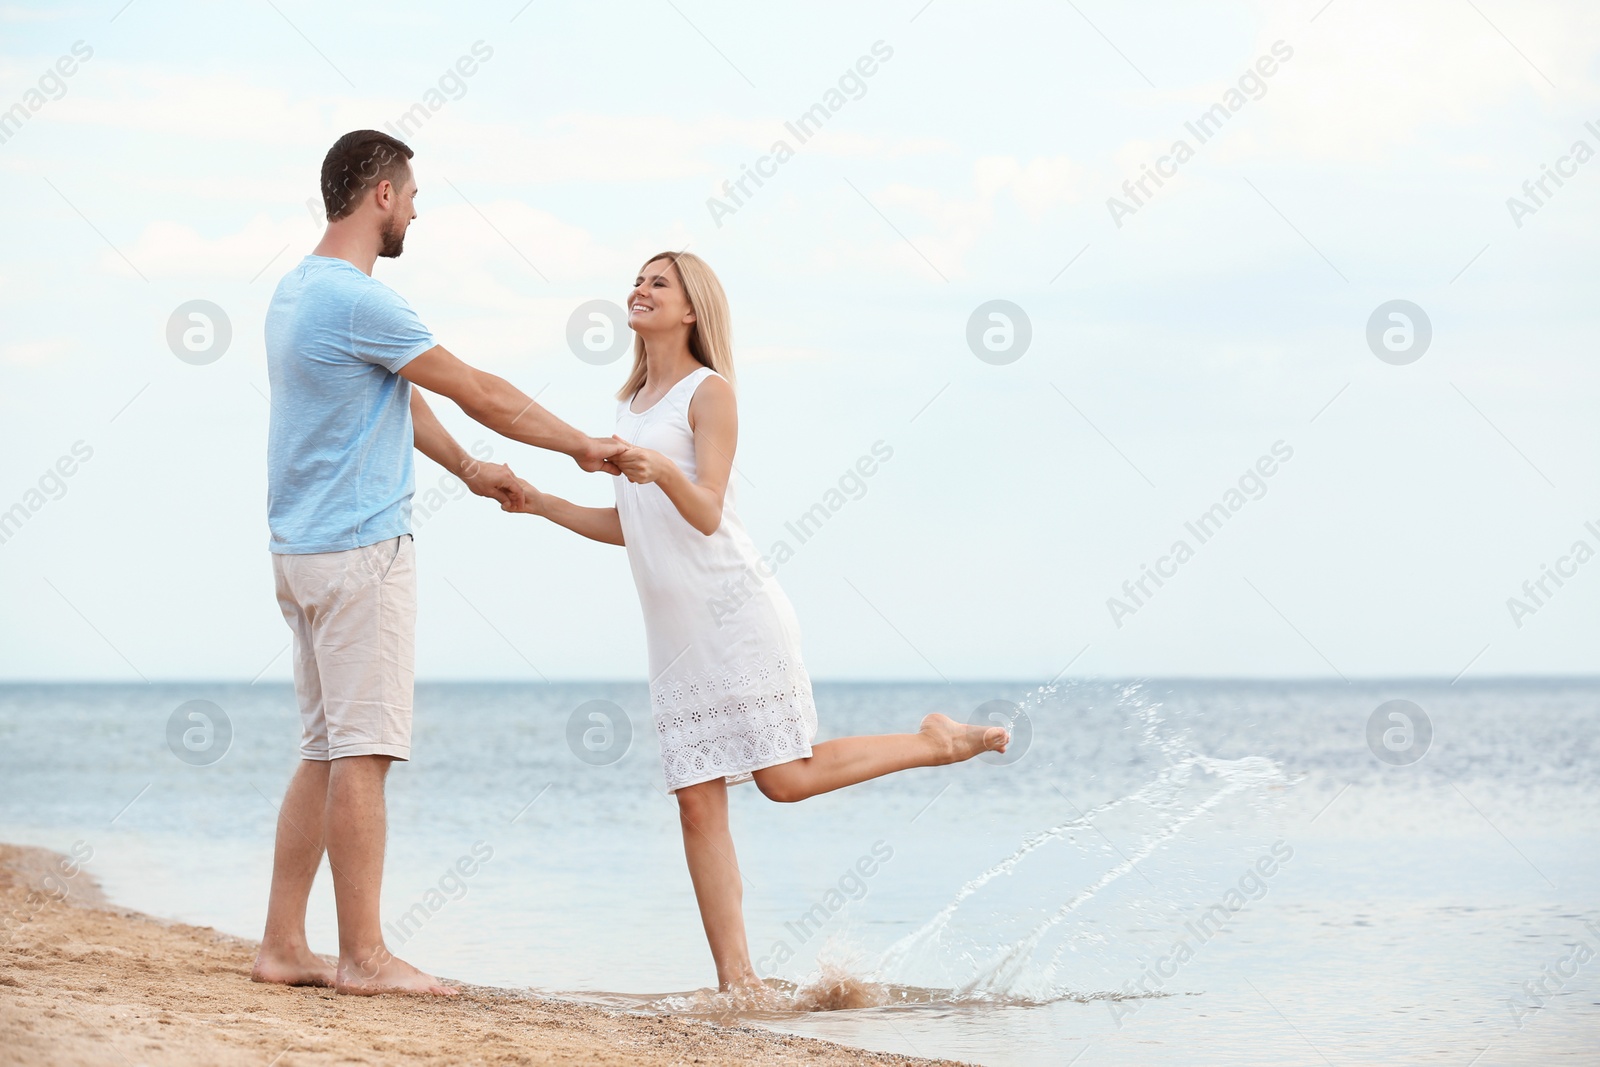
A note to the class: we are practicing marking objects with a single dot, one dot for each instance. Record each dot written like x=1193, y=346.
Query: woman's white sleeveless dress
x=728, y=690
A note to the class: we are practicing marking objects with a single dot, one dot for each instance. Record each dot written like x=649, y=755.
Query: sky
x=1383, y=492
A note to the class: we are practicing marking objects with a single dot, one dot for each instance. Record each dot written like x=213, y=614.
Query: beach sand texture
x=84, y=982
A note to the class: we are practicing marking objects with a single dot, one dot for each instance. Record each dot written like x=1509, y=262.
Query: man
x=343, y=351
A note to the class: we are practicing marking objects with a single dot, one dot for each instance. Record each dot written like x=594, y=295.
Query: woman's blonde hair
x=711, y=334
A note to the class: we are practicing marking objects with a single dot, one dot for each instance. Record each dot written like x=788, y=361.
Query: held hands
x=641, y=465
x=613, y=455
x=532, y=500
x=597, y=453
x=610, y=455
x=495, y=480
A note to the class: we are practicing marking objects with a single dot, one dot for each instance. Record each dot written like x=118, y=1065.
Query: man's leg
x=357, y=827
x=284, y=955
x=354, y=616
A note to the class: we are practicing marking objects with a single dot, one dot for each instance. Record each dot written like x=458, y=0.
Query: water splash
x=1189, y=787
x=834, y=987
x=1018, y=967
x=1006, y=968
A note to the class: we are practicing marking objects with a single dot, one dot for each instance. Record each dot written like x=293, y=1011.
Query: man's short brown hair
x=357, y=162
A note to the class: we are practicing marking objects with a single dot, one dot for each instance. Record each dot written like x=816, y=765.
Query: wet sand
x=85, y=982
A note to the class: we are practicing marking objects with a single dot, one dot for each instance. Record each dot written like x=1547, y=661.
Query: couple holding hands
x=730, y=697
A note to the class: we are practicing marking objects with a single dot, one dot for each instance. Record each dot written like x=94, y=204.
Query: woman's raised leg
x=714, y=869
x=848, y=760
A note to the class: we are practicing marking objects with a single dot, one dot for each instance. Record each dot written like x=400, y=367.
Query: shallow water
x=1106, y=896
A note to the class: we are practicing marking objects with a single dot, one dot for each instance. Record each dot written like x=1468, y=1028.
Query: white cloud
x=168, y=249
x=489, y=261
x=204, y=109
x=1038, y=186
x=37, y=352
x=590, y=147
x=1368, y=78
x=945, y=228
x=782, y=354
x=13, y=13
x=577, y=146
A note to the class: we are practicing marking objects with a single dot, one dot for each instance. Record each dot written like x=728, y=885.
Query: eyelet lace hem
x=727, y=723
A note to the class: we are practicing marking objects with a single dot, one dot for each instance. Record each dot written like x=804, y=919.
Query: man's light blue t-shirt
x=339, y=463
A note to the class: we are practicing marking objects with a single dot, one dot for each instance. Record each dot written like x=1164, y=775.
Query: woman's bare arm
x=597, y=524
x=714, y=418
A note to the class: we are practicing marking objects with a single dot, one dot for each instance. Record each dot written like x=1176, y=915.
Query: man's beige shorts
x=354, y=617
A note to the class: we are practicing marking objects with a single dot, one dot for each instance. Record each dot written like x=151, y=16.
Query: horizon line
x=845, y=680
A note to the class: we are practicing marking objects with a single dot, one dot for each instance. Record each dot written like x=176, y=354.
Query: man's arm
x=485, y=479
x=505, y=409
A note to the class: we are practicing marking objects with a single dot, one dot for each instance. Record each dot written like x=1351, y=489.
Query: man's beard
x=394, y=240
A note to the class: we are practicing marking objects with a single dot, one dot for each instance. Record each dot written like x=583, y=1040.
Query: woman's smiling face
x=657, y=300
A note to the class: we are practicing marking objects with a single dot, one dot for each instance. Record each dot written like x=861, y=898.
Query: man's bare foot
x=956, y=741
x=385, y=973
x=292, y=967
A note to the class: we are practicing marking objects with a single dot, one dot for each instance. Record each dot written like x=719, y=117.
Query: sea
x=1158, y=872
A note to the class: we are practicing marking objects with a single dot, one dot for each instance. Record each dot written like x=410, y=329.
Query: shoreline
x=87, y=982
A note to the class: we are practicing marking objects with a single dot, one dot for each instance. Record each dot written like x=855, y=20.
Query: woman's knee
x=700, y=803
x=778, y=785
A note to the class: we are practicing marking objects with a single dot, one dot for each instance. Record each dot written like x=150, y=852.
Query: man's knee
x=312, y=770
x=366, y=764
x=358, y=772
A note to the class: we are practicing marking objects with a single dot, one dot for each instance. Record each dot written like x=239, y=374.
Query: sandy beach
x=86, y=982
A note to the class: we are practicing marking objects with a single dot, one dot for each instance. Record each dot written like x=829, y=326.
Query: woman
x=731, y=698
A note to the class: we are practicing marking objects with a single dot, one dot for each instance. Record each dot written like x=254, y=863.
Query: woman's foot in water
x=745, y=990
x=953, y=742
